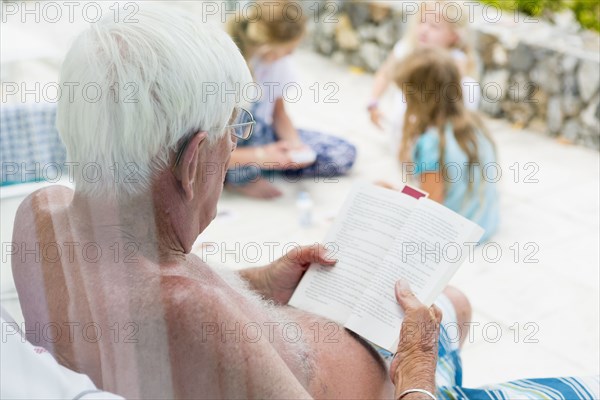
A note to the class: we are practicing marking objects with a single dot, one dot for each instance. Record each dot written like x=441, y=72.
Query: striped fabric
x=538, y=389
x=449, y=366
x=31, y=148
x=449, y=375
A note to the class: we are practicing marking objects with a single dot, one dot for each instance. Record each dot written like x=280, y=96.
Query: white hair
x=136, y=89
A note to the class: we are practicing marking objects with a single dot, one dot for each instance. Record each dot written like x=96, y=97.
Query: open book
x=380, y=236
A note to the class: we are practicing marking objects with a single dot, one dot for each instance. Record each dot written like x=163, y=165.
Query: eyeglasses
x=243, y=124
x=242, y=128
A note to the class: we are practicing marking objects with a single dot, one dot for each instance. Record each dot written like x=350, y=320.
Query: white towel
x=30, y=372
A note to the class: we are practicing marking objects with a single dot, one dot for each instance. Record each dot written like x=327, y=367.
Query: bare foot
x=259, y=189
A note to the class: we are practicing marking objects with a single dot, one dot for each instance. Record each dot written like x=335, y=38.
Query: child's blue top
x=480, y=204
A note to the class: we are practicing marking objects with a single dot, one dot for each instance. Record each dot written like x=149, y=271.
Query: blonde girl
x=446, y=146
x=267, y=34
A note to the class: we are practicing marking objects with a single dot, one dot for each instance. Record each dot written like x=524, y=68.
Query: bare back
x=143, y=328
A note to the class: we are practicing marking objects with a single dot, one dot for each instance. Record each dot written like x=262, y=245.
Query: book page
x=432, y=244
x=362, y=234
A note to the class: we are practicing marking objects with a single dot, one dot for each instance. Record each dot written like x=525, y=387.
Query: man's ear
x=188, y=167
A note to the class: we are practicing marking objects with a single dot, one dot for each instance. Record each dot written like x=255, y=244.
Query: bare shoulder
x=35, y=218
x=40, y=205
x=188, y=302
x=51, y=195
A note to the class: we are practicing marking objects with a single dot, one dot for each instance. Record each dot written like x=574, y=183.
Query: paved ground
x=535, y=318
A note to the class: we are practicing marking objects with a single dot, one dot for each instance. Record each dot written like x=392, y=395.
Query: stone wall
x=545, y=77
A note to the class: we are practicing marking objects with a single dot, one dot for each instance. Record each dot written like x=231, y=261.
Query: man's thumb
x=404, y=295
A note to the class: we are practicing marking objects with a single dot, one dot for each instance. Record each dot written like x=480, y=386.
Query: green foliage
x=587, y=12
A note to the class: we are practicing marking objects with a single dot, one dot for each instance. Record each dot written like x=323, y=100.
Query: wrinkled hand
x=278, y=280
x=415, y=360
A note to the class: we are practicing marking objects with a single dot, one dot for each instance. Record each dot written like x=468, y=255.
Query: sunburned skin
x=145, y=319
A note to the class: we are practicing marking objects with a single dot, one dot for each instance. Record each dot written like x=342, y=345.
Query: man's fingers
x=310, y=254
x=405, y=297
x=319, y=254
x=325, y=259
x=436, y=313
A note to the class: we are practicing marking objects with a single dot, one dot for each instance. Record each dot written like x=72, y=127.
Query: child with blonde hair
x=444, y=144
x=267, y=34
x=436, y=24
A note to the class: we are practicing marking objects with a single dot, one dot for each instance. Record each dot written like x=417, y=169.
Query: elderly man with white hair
x=138, y=313
x=149, y=160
